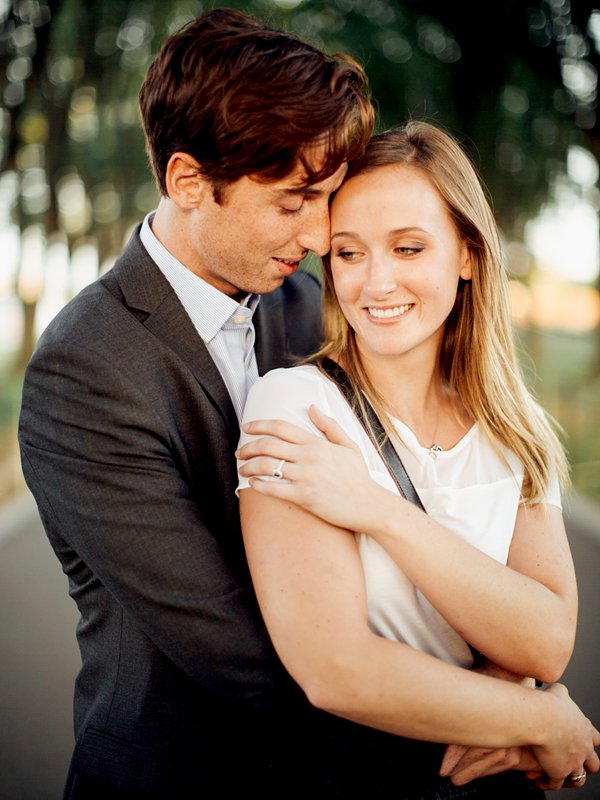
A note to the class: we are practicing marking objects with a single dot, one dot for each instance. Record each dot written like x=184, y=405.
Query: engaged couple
x=400, y=578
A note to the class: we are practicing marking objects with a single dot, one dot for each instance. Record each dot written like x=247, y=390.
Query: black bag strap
x=375, y=431
x=392, y=460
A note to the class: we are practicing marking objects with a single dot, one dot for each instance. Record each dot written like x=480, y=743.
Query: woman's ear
x=466, y=272
x=185, y=183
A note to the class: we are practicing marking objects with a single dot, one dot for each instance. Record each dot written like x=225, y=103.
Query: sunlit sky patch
x=564, y=238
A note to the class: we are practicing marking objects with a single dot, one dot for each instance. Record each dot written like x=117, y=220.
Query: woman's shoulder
x=289, y=391
x=302, y=378
x=301, y=372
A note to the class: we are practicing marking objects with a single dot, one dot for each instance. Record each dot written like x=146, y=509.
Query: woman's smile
x=389, y=313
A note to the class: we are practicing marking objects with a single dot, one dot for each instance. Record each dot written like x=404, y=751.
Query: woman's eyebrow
x=394, y=232
x=351, y=234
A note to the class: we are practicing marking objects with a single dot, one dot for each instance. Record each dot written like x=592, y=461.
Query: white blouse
x=469, y=489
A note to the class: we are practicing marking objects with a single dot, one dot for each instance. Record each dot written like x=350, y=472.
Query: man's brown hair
x=242, y=98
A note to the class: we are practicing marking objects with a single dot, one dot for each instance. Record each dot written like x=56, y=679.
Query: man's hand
x=464, y=764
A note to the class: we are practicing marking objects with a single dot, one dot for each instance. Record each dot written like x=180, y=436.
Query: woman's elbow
x=328, y=697
x=550, y=660
x=552, y=669
x=334, y=687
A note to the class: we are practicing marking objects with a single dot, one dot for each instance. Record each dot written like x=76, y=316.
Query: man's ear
x=186, y=185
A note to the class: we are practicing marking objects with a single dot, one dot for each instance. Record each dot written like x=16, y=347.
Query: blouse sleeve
x=552, y=496
x=285, y=394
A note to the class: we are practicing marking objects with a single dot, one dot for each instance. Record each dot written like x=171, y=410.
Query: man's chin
x=268, y=286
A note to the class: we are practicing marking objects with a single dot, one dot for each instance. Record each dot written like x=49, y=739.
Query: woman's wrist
x=387, y=510
x=550, y=717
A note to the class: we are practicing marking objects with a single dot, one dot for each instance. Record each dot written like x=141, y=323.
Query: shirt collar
x=208, y=308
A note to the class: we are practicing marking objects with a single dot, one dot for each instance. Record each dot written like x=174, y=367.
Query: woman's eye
x=347, y=255
x=406, y=250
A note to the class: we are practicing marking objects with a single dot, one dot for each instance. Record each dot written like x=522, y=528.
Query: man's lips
x=288, y=265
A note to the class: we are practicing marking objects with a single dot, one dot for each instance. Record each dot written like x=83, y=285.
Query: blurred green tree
x=515, y=79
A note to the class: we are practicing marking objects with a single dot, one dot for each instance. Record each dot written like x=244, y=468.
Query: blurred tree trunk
x=35, y=96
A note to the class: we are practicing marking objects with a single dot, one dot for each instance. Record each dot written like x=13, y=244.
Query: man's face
x=260, y=232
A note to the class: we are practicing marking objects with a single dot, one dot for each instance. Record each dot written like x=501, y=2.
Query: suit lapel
x=148, y=292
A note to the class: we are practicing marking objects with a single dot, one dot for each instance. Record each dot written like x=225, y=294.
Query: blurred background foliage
x=515, y=80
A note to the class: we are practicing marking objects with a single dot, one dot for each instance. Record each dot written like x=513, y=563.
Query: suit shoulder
x=299, y=289
x=304, y=284
x=79, y=313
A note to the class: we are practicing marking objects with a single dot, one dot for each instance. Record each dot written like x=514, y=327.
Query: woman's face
x=396, y=259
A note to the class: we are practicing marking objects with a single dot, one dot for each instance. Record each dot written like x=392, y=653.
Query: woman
x=372, y=626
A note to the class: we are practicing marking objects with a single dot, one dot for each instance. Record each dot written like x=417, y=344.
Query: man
x=130, y=421
x=131, y=405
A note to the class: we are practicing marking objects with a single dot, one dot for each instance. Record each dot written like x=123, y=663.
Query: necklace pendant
x=434, y=450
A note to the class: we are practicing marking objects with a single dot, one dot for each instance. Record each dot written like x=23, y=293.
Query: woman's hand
x=327, y=477
x=571, y=756
x=570, y=749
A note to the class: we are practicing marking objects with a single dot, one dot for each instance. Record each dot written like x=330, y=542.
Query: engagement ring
x=278, y=471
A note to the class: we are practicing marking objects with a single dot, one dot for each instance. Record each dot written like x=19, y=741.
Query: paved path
x=38, y=662
x=39, y=658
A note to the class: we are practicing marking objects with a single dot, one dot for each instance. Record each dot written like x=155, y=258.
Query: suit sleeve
x=102, y=465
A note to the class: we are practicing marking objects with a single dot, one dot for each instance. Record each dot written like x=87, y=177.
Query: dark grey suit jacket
x=127, y=435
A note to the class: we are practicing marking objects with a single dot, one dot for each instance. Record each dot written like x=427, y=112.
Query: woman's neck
x=414, y=392
x=411, y=384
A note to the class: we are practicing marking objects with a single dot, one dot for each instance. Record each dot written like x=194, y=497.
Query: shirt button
x=239, y=319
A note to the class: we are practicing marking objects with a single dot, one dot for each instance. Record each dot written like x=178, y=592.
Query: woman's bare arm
x=521, y=617
x=310, y=586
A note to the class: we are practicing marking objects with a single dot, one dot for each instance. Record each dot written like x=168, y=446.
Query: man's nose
x=315, y=233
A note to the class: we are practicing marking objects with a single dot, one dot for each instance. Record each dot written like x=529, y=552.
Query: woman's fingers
x=294, y=434
x=592, y=763
x=281, y=489
x=267, y=466
x=286, y=431
x=277, y=439
x=332, y=430
x=266, y=447
x=576, y=779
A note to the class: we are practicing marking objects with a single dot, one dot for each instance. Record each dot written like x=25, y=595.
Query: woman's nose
x=381, y=279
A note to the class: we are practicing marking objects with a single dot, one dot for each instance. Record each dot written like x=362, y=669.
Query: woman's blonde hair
x=477, y=358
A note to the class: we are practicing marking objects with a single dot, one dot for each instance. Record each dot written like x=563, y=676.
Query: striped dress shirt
x=224, y=325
